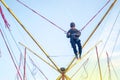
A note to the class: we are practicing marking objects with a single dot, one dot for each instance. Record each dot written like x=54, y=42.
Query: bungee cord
x=117, y=37
x=38, y=56
x=110, y=33
x=0, y=53
x=56, y=24
x=19, y=66
x=24, y=66
x=95, y=15
x=20, y=60
x=31, y=71
x=98, y=61
x=108, y=64
x=85, y=71
x=107, y=13
x=8, y=27
x=9, y=46
x=11, y=55
x=91, y=20
x=114, y=70
x=83, y=65
x=86, y=53
x=110, y=67
x=38, y=68
x=82, y=28
x=21, y=55
x=94, y=30
x=41, y=16
x=40, y=47
x=116, y=40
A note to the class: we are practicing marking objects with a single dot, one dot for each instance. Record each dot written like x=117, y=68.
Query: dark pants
x=77, y=42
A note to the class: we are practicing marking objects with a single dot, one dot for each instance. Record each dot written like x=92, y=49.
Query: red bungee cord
x=41, y=16
x=57, y=25
x=11, y=55
x=24, y=67
x=94, y=16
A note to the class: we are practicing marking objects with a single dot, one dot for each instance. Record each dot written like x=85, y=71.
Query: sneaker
x=80, y=56
x=76, y=56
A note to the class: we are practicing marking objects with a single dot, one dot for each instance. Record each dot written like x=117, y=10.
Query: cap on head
x=72, y=24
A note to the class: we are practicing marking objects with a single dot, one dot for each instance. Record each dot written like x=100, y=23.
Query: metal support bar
x=29, y=33
x=37, y=55
x=85, y=54
x=95, y=29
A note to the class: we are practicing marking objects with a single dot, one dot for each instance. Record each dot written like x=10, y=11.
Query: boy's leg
x=79, y=48
x=74, y=48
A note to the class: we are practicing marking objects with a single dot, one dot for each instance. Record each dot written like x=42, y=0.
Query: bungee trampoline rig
x=61, y=70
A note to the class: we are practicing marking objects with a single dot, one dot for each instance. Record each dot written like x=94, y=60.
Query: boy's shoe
x=76, y=56
x=80, y=56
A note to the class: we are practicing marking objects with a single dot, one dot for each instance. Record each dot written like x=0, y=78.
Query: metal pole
x=84, y=55
x=38, y=56
x=29, y=33
x=94, y=30
x=100, y=22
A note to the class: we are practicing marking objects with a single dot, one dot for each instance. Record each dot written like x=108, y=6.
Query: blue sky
x=54, y=41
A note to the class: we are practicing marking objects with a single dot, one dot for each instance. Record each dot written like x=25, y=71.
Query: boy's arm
x=78, y=34
x=68, y=34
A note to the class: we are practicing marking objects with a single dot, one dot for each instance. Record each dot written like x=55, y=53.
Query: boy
x=74, y=35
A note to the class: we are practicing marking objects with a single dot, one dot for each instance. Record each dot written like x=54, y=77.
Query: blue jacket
x=73, y=34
